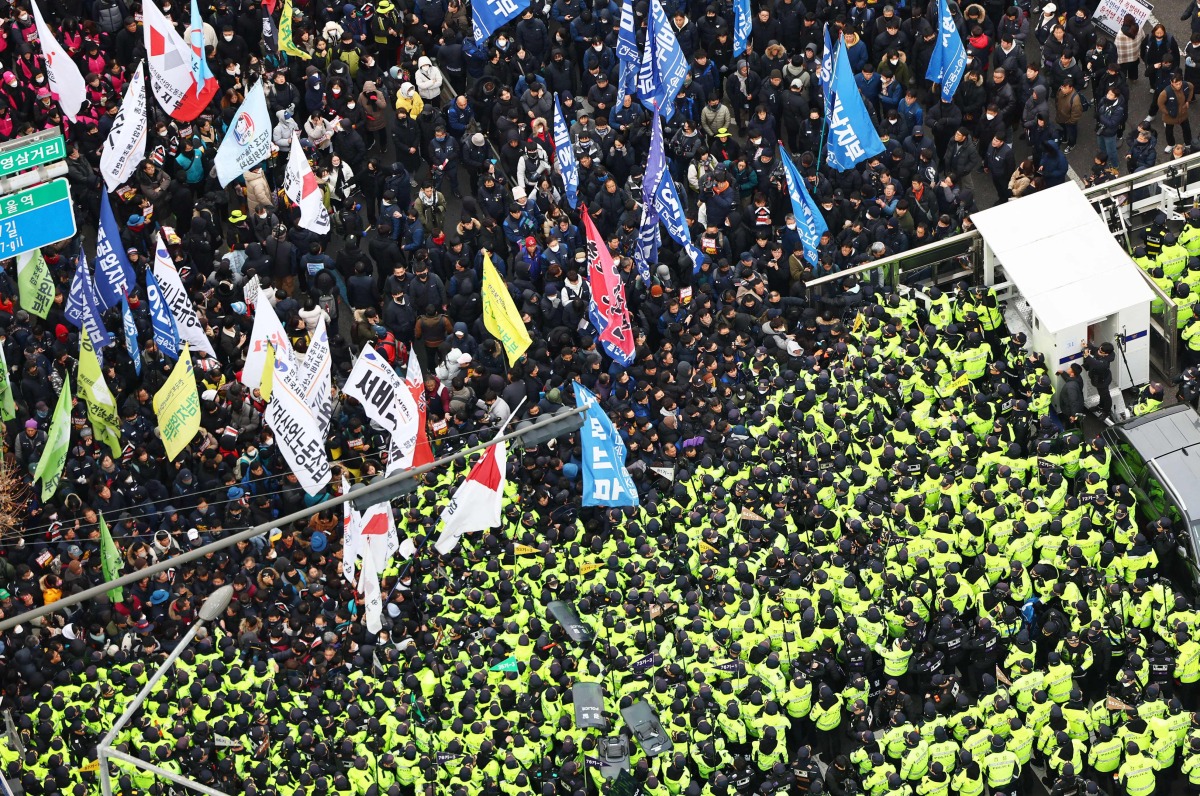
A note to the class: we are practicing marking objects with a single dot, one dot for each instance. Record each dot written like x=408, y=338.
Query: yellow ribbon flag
x=524, y=550
x=705, y=547
x=500, y=315
x=101, y=406
x=177, y=405
x=268, y=377
x=962, y=381
x=287, y=45
x=589, y=567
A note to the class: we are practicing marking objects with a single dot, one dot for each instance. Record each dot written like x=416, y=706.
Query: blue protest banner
x=131, y=336
x=851, y=136
x=742, y=23
x=606, y=481
x=487, y=16
x=948, y=61
x=809, y=221
x=825, y=72
x=166, y=332
x=627, y=54
x=114, y=275
x=670, y=212
x=663, y=65
x=564, y=153
x=81, y=309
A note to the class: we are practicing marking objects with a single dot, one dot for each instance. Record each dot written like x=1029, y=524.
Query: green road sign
x=35, y=217
x=30, y=151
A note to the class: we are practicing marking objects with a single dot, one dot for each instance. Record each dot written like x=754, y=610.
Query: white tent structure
x=1061, y=258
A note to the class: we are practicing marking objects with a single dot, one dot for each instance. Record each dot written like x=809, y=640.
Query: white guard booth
x=1061, y=258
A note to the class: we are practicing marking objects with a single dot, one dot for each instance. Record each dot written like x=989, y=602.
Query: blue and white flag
x=564, y=153
x=166, y=331
x=606, y=481
x=201, y=72
x=81, y=309
x=670, y=212
x=627, y=54
x=114, y=274
x=247, y=142
x=851, y=136
x=131, y=336
x=663, y=65
x=809, y=221
x=948, y=61
x=741, y=26
x=825, y=72
x=646, y=250
x=488, y=16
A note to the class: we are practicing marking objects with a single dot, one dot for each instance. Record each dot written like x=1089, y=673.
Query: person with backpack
x=431, y=331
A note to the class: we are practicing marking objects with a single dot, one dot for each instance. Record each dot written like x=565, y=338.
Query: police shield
x=588, y=699
x=647, y=729
x=568, y=617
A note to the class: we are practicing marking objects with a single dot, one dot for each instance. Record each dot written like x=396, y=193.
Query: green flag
x=8, y=409
x=101, y=406
x=509, y=664
x=34, y=283
x=110, y=561
x=54, y=457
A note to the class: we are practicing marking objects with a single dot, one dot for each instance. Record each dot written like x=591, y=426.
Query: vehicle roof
x=1171, y=439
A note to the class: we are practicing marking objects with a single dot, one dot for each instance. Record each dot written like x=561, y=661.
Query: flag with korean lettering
x=606, y=481
x=627, y=54
x=131, y=336
x=645, y=251
x=948, y=61
x=825, y=72
x=81, y=309
x=607, y=309
x=162, y=322
x=851, y=136
x=564, y=153
x=741, y=26
x=809, y=221
x=114, y=274
x=488, y=16
x=663, y=66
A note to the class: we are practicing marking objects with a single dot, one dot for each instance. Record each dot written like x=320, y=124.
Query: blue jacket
x=1054, y=164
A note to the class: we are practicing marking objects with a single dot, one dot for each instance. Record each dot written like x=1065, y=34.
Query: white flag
x=316, y=377
x=368, y=586
x=377, y=531
x=295, y=428
x=413, y=374
x=125, y=146
x=350, y=524
x=61, y=71
x=171, y=287
x=247, y=142
x=301, y=187
x=386, y=398
x=171, y=61
x=267, y=329
x=478, y=501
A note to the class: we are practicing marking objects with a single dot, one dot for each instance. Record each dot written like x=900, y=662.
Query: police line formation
x=834, y=542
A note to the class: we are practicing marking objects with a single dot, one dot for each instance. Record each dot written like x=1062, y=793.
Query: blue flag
x=489, y=15
x=646, y=250
x=131, y=336
x=670, y=212
x=741, y=26
x=809, y=221
x=81, y=308
x=166, y=332
x=114, y=275
x=851, y=136
x=606, y=481
x=564, y=153
x=627, y=54
x=663, y=66
x=948, y=61
x=825, y=72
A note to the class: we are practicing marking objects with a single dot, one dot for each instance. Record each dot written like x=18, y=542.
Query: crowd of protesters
x=869, y=556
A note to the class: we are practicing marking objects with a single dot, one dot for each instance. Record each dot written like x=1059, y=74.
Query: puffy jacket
x=428, y=78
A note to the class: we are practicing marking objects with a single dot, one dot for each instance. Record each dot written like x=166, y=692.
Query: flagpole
x=825, y=117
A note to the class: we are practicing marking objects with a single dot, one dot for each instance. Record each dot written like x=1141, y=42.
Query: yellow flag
x=589, y=567
x=101, y=406
x=705, y=547
x=287, y=45
x=960, y=382
x=177, y=405
x=500, y=314
x=524, y=550
x=268, y=378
